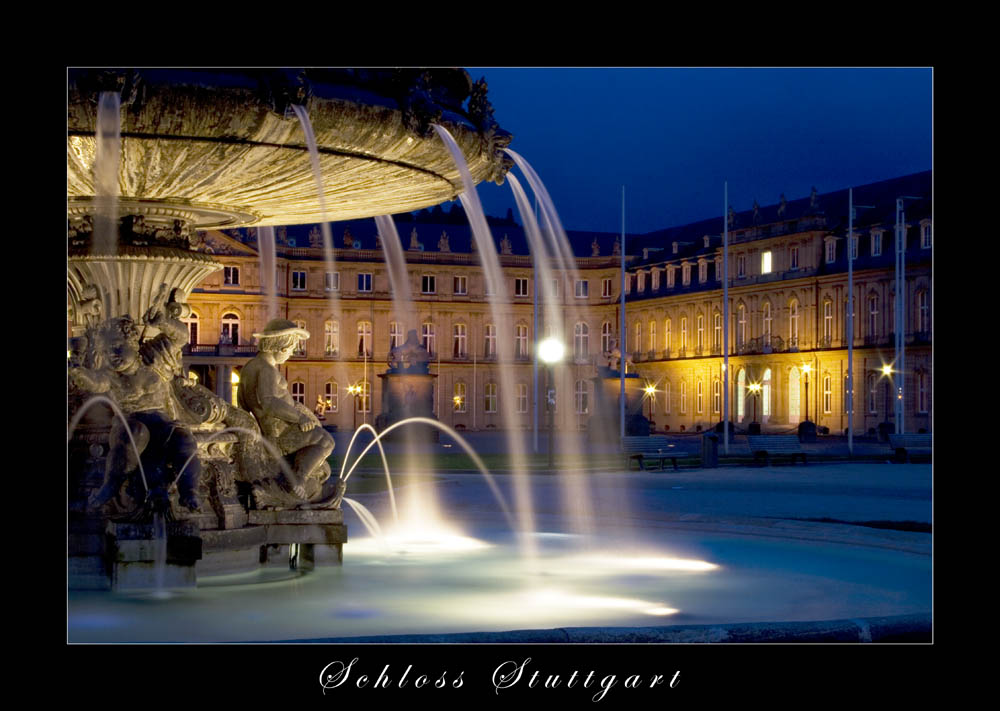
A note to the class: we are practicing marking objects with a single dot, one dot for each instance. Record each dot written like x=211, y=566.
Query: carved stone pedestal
x=301, y=539
x=132, y=551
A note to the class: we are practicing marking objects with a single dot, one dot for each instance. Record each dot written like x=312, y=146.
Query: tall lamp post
x=354, y=390
x=550, y=352
x=754, y=389
x=806, y=368
x=887, y=374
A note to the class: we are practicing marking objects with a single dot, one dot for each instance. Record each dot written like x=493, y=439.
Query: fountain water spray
x=385, y=464
x=117, y=410
x=106, y=163
x=268, y=269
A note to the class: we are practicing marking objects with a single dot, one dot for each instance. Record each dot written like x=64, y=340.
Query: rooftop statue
x=595, y=248
x=410, y=357
x=505, y=246
x=287, y=424
x=443, y=245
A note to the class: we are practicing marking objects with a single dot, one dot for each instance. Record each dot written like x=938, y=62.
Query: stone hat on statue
x=281, y=327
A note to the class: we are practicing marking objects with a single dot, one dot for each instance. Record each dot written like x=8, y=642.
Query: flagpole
x=622, y=340
x=725, y=319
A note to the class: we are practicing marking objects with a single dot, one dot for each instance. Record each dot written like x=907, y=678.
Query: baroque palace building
x=788, y=299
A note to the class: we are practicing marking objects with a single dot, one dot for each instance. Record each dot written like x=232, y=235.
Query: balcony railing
x=247, y=350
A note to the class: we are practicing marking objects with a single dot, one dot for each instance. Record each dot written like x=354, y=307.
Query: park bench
x=764, y=446
x=906, y=444
x=651, y=448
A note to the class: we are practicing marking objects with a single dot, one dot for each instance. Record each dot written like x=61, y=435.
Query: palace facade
x=787, y=316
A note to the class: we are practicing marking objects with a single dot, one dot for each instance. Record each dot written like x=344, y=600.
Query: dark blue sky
x=672, y=136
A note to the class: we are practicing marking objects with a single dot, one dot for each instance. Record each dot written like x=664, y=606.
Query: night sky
x=673, y=136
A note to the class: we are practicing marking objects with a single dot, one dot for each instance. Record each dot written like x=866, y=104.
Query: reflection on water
x=478, y=582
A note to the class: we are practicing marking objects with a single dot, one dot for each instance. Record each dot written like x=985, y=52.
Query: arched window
x=666, y=397
x=652, y=335
x=701, y=332
x=827, y=395
x=331, y=338
x=700, y=397
x=741, y=395
x=491, y=397
x=459, y=398
x=395, y=334
x=298, y=390
x=490, y=345
x=716, y=396
x=666, y=337
x=581, y=340
x=717, y=332
x=427, y=336
x=765, y=391
x=923, y=313
x=522, y=398
x=637, y=344
x=230, y=328
x=767, y=323
x=192, y=325
x=684, y=333
x=300, y=346
x=364, y=339
x=872, y=394
x=606, y=337
x=331, y=394
x=459, y=340
x=582, y=398
x=741, y=325
x=684, y=397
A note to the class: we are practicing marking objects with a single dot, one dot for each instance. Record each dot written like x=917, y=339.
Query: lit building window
x=364, y=338
x=701, y=331
x=684, y=333
x=230, y=329
x=581, y=340
x=231, y=276
x=637, y=344
x=765, y=262
x=765, y=397
x=827, y=320
x=331, y=281
x=717, y=330
x=741, y=395
x=300, y=346
x=716, y=397
x=827, y=395
x=831, y=251
x=364, y=399
x=490, y=345
x=522, y=398
x=666, y=335
x=459, y=398
x=793, y=322
x=873, y=316
x=702, y=271
x=684, y=397
x=298, y=281
x=331, y=394
x=700, y=398
x=395, y=334
x=582, y=398
x=192, y=325
x=427, y=336
x=655, y=280
x=521, y=341
x=331, y=338
x=686, y=274
x=741, y=325
x=640, y=283
x=606, y=337
x=459, y=340
x=652, y=335
x=741, y=265
x=666, y=397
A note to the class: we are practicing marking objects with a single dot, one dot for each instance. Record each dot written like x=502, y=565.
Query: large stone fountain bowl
x=224, y=148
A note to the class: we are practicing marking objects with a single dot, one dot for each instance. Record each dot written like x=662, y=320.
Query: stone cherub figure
x=136, y=375
x=290, y=426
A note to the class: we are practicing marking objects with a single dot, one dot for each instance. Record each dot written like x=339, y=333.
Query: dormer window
x=718, y=268
x=641, y=281
x=876, y=243
x=831, y=250
x=675, y=247
x=925, y=234
x=686, y=274
x=670, y=277
x=702, y=271
x=656, y=280
x=706, y=241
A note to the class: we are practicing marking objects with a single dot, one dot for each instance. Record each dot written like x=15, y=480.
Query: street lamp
x=887, y=374
x=650, y=391
x=355, y=390
x=551, y=351
x=754, y=389
x=805, y=369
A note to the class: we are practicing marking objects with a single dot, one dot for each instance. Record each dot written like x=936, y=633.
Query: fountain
x=239, y=500
x=155, y=156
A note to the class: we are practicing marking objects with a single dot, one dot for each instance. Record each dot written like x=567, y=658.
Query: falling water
x=107, y=159
x=120, y=415
x=576, y=492
x=328, y=253
x=159, y=554
x=268, y=269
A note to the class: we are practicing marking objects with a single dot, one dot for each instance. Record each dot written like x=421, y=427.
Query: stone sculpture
x=410, y=357
x=288, y=425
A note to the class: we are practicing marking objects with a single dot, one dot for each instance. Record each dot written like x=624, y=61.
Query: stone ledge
x=328, y=534
x=323, y=516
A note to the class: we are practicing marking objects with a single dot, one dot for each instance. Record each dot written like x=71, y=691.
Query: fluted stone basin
x=225, y=148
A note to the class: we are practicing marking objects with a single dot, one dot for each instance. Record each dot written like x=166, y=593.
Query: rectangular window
x=459, y=339
x=640, y=281
x=458, y=400
x=521, y=342
x=427, y=336
x=332, y=281
x=395, y=335
x=876, y=244
x=831, y=251
x=655, y=280
x=364, y=282
x=461, y=286
x=605, y=287
x=428, y=284
x=765, y=262
x=520, y=287
x=741, y=265
x=686, y=274
x=522, y=398
x=298, y=281
x=491, y=397
x=702, y=272
x=827, y=396
x=582, y=288
x=231, y=276
x=854, y=246
x=925, y=237
x=793, y=257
